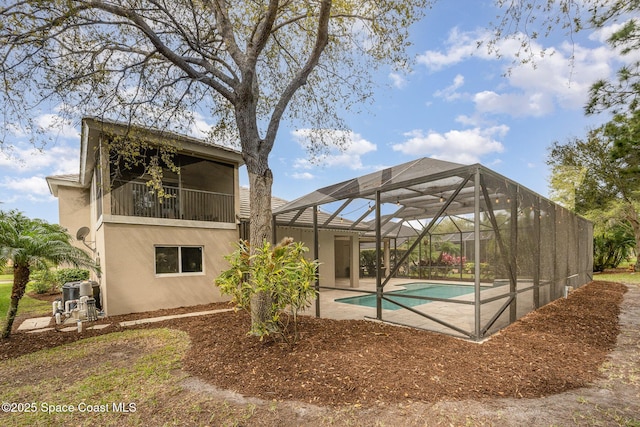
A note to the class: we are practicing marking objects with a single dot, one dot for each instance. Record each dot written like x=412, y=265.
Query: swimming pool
x=433, y=290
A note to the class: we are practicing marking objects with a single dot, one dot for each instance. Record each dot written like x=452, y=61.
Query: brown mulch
x=556, y=348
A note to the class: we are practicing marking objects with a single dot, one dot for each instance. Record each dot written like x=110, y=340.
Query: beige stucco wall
x=74, y=211
x=326, y=251
x=129, y=265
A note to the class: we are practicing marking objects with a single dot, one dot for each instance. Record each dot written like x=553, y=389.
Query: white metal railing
x=137, y=199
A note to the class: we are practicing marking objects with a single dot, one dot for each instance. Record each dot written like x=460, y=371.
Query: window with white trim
x=178, y=259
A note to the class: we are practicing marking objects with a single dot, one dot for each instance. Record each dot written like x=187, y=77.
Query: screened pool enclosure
x=430, y=224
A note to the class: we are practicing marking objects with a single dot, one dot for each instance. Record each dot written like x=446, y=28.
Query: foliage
x=43, y=281
x=612, y=246
x=446, y=258
x=601, y=172
x=282, y=272
x=65, y=275
x=449, y=248
x=526, y=21
x=33, y=244
x=368, y=261
x=49, y=280
x=624, y=132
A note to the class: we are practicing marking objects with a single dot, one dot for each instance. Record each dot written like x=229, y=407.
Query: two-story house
x=156, y=249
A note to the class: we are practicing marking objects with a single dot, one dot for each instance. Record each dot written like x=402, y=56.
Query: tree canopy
x=248, y=64
x=598, y=176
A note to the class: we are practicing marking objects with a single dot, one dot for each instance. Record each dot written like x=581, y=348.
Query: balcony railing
x=137, y=199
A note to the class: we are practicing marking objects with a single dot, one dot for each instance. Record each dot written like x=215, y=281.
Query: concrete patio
x=459, y=315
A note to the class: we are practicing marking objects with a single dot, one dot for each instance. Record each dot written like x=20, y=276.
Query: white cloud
x=344, y=148
x=24, y=158
x=56, y=125
x=460, y=47
x=302, y=164
x=461, y=146
x=199, y=128
x=514, y=104
x=31, y=188
x=474, y=120
x=50, y=123
x=450, y=92
x=398, y=80
x=557, y=76
x=603, y=34
x=303, y=175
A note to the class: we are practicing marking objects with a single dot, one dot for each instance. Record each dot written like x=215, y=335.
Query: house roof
x=93, y=129
x=67, y=180
x=155, y=135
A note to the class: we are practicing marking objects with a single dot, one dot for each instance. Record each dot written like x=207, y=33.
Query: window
x=178, y=259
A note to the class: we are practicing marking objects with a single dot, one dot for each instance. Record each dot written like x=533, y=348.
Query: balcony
x=137, y=199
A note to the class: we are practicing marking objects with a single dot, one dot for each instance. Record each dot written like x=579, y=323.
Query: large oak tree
x=248, y=63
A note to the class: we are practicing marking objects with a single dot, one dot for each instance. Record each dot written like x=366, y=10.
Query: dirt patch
x=382, y=372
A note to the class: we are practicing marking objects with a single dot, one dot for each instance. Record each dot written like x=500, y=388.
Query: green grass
x=27, y=304
x=631, y=277
x=123, y=377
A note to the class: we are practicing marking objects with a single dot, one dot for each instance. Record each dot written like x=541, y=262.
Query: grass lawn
x=631, y=277
x=129, y=377
x=27, y=304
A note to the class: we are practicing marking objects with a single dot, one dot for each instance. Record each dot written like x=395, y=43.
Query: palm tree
x=30, y=244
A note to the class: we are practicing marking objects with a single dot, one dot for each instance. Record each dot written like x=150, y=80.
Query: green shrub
x=43, y=281
x=40, y=287
x=49, y=280
x=281, y=274
x=65, y=275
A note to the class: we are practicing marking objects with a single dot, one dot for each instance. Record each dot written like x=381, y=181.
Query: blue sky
x=458, y=104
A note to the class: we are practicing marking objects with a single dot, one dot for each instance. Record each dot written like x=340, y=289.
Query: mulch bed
x=556, y=348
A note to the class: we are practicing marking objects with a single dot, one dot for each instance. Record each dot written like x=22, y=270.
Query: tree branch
x=168, y=53
x=322, y=39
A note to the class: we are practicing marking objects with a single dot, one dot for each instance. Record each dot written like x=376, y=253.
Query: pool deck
x=461, y=316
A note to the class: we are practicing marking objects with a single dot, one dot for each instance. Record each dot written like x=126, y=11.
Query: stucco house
x=159, y=252
x=164, y=249
x=153, y=252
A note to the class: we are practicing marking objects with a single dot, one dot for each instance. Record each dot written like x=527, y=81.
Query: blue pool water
x=432, y=290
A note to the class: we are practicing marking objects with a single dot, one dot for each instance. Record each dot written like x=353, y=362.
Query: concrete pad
x=98, y=327
x=35, y=323
x=36, y=331
x=177, y=316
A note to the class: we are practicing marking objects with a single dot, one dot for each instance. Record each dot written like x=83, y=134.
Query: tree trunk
x=20, y=280
x=632, y=217
x=260, y=230
x=260, y=219
x=636, y=233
